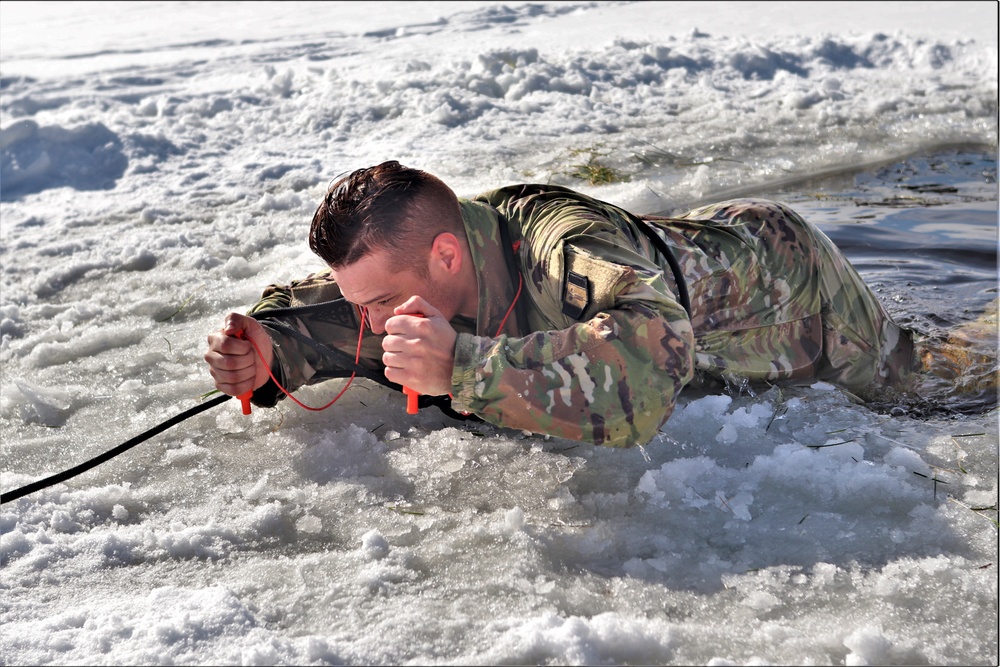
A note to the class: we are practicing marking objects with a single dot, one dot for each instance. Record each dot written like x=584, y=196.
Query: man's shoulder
x=542, y=203
x=522, y=191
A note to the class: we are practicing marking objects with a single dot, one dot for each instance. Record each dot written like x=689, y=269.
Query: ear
x=446, y=254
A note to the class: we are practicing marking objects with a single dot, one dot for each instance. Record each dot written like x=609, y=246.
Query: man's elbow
x=639, y=415
x=628, y=430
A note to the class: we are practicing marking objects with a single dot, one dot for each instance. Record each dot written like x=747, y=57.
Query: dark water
x=923, y=232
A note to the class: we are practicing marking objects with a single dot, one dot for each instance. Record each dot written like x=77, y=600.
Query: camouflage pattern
x=609, y=375
x=771, y=300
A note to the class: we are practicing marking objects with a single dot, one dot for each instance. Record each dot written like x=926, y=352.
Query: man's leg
x=862, y=345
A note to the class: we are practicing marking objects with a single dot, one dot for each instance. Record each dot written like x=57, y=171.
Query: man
x=538, y=308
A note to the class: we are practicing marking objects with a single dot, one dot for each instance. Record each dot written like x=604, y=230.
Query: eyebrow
x=380, y=297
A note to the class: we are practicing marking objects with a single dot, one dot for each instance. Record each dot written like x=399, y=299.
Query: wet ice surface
x=783, y=526
x=155, y=181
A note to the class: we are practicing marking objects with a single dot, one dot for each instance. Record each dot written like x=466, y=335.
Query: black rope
x=675, y=268
x=9, y=496
x=440, y=402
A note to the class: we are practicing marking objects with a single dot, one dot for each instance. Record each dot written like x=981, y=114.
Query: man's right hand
x=232, y=360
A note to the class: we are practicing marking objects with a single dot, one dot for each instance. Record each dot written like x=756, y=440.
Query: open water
x=922, y=231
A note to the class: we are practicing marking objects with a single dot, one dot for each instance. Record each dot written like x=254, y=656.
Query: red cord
x=520, y=283
x=411, y=395
x=357, y=357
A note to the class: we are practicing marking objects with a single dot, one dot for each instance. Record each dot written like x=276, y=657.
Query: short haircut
x=386, y=207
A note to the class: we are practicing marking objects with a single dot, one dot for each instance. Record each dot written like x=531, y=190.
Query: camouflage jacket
x=598, y=345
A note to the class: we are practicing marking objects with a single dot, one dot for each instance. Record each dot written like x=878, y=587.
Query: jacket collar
x=497, y=288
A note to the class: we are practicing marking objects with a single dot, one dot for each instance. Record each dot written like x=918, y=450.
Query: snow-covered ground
x=159, y=164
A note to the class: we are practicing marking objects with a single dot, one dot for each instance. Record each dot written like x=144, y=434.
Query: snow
x=159, y=164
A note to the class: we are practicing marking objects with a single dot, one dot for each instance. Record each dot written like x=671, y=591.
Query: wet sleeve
x=611, y=379
x=320, y=316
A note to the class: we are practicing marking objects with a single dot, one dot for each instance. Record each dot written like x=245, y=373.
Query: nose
x=376, y=320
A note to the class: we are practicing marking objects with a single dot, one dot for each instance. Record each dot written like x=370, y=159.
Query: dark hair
x=385, y=207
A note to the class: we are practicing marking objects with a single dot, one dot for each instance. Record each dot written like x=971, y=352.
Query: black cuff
x=268, y=395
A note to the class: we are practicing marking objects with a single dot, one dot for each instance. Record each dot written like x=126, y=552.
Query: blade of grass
x=832, y=444
x=182, y=306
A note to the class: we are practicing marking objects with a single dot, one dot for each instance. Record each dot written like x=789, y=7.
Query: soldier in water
x=538, y=308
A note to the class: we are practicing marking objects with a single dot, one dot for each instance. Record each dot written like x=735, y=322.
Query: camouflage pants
x=798, y=270
x=861, y=343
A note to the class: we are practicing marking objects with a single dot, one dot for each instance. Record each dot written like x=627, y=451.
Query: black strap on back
x=644, y=227
x=661, y=245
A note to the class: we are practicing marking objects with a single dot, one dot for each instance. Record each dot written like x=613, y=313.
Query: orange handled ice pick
x=411, y=394
x=245, y=397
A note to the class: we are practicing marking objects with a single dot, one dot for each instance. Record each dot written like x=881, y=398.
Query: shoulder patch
x=577, y=296
x=590, y=284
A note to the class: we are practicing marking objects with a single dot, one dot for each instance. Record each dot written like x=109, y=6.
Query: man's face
x=375, y=283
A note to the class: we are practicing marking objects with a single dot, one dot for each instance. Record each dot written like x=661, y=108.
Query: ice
x=159, y=166
x=87, y=157
x=868, y=646
x=41, y=405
